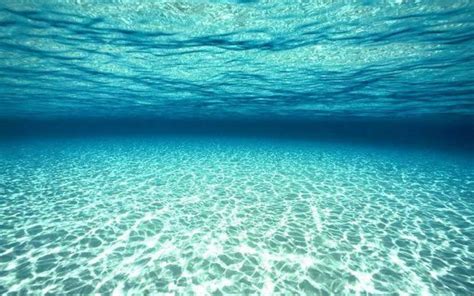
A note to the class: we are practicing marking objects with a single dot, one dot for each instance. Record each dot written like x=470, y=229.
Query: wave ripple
x=236, y=59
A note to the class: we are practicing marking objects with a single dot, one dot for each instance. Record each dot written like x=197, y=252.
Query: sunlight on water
x=236, y=147
x=238, y=59
x=233, y=216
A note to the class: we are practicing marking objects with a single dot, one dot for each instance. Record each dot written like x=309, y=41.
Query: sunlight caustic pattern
x=219, y=216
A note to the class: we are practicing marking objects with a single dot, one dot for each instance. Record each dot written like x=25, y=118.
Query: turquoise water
x=200, y=215
x=239, y=59
x=236, y=147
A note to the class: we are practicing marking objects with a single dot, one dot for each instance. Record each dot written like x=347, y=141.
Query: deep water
x=236, y=147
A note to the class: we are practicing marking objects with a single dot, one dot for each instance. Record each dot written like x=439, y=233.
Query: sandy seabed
x=225, y=216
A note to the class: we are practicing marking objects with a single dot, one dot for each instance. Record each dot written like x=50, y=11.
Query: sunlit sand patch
x=280, y=217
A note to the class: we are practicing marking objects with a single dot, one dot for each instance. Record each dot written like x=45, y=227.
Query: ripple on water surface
x=227, y=216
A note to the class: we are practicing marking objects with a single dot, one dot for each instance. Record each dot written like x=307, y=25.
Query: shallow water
x=236, y=147
x=226, y=215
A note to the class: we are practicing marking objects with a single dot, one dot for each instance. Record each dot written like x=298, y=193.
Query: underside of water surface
x=236, y=148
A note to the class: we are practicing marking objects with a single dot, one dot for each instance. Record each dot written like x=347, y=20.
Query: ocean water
x=199, y=215
x=239, y=59
x=236, y=147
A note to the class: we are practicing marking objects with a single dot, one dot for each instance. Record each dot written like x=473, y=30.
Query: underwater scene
x=236, y=147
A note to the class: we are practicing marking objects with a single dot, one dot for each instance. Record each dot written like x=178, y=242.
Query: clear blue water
x=236, y=59
x=235, y=216
x=236, y=147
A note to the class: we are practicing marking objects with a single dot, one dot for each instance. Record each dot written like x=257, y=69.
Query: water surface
x=236, y=147
x=239, y=59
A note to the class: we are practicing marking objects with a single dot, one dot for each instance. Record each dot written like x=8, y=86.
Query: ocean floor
x=233, y=216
